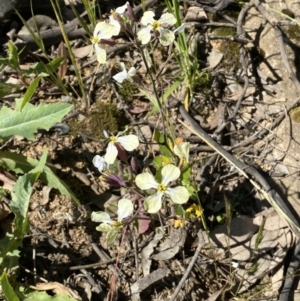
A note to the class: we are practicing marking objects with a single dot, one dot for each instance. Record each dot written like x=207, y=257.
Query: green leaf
x=23, y=189
x=171, y=89
x=185, y=175
x=21, y=102
x=21, y=164
x=27, y=122
x=161, y=161
x=43, y=296
x=13, y=56
x=44, y=70
x=9, y=253
x=164, y=149
x=21, y=195
x=6, y=89
x=8, y=291
x=152, y=99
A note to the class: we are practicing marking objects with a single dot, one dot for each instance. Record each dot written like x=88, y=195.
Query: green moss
x=231, y=59
x=102, y=117
x=293, y=32
x=225, y=32
x=128, y=89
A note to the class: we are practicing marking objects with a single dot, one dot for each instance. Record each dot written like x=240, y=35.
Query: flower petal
x=121, y=76
x=169, y=173
x=182, y=150
x=100, y=163
x=131, y=72
x=125, y=208
x=153, y=203
x=129, y=142
x=144, y=35
x=111, y=153
x=100, y=53
x=148, y=18
x=104, y=30
x=111, y=237
x=101, y=217
x=178, y=195
x=116, y=24
x=180, y=28
x=121, y=9
x=166, y=36
x=98, y=28
x=145, y=181
x=104, y=228
x=167, y=19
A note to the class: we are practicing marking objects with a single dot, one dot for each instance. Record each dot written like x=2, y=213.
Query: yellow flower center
x=161, y=188
x=155, y=24
x=113, y=139
x=117, y=225
x=95, y=40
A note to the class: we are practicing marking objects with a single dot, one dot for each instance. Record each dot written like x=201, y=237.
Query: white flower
x=125, y=209
x=103, y=31
x=166, y=36
x=128, y=142
x=100, y=163
x=121, y=76
x=121, y=9
x=182, y=150
x=170, y=172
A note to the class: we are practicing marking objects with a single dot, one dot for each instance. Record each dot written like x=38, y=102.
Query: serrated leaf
x=21, y=102
x=6, y=89
x=21, y=164
x=8, y=291
x=43, y=296
x=27, y=122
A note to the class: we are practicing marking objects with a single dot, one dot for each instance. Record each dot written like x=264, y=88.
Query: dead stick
x=201, y=244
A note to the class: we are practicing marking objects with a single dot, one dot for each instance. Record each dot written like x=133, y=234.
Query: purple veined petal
x=111, y=153
x=178, y=195
x=169, y=173
x=146, y=181
x=147, y=18
x=153, y=203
